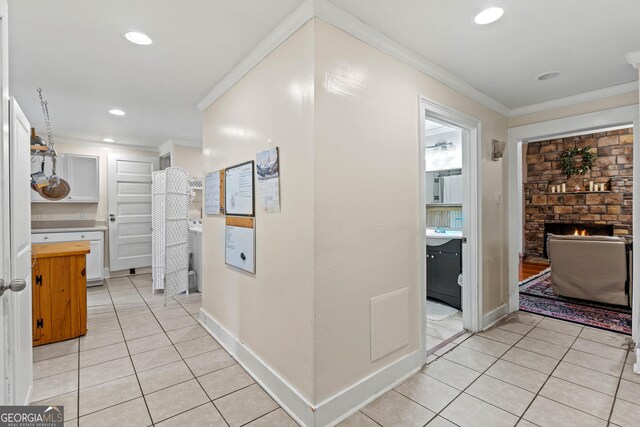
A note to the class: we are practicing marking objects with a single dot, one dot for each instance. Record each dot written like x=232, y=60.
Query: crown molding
x=352, y=25
x=286, y=28
x=114, y=145
x=185, y=142
x=593, y=95
x=633, y=58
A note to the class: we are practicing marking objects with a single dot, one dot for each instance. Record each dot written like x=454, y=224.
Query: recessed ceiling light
x=108, y=140
x=137, y=37
x=548, y=75
x=488, y=16
x=117, y=112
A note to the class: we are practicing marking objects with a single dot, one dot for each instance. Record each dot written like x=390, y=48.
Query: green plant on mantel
x=571, y=167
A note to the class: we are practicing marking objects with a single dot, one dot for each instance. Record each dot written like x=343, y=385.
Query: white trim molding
x=518, y=137
x=330, y=411
x=593, y=95
x=633, y=58
x=493, y=316
x=287, y=27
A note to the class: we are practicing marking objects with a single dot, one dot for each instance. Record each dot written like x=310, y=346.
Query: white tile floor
x=143, y=364
x=527, y=371
x=439, y=331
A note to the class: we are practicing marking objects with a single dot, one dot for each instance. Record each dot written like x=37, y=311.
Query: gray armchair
x=594, y=268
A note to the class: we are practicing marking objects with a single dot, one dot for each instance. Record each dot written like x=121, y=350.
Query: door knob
x=15, y=285
x=112, y=217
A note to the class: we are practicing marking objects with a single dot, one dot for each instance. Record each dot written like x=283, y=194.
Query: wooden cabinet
x=95, y=259
x=81, y=172
x=59, y=291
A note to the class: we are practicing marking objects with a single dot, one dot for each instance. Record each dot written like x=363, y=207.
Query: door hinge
x=39, y=323
x=39, y=279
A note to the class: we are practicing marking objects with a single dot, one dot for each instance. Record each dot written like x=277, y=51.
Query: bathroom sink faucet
x=440, y=230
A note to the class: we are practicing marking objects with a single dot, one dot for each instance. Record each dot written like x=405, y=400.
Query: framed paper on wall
x=214, y=193
x=239, y=189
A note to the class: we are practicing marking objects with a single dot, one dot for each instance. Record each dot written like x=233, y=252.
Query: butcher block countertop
x=50, y=250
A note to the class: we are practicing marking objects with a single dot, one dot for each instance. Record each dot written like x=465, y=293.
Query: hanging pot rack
x=40, y=147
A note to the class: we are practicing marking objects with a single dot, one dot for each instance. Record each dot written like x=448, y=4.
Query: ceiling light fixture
x=108, y=140
x=548, y=75
x=117, y=112
x=489, y=15
x=137, y=37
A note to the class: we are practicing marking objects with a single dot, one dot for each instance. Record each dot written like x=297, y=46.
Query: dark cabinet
x=444, y=265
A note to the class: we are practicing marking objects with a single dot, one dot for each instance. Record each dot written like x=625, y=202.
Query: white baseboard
x=328, y=412
x=106, y=273
x=636, y=366
x=493, y=316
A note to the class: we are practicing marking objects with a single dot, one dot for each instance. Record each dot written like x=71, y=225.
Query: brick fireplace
x=601, y=213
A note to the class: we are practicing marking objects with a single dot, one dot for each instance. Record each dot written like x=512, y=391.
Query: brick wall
x=613, y=167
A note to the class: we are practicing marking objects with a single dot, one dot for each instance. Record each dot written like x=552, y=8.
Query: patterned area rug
x=536, y=296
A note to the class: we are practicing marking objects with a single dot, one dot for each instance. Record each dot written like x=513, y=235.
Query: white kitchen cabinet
x=80, y=171
x=95, y=259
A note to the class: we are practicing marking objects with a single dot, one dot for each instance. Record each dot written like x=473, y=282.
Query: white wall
x=368, y=209
x=271, y=312
x=86, y=211
x=191, y=160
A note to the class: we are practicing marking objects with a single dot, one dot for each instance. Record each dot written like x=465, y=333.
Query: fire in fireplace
x=575, y=229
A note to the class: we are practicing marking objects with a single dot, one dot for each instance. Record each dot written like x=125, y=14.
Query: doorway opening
x=451, y=217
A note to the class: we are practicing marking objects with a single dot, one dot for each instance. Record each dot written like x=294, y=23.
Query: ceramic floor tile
x=196, y=346
x=586, y=400
x=531, y=360
x=603, y=350
x=628, y=373
x=57, y=349
x=209, y=362
x=224, y=381
x=596, y=363
x=547, y=413
x=186, y=334
x=164, y=376
x=625, y=414
x=467, y=411
x=486, y=346
x=514, y=326
x=432, y=342
x=451, y=373
x=103, y=354
x=551, y=336
x=501, y=394
x=629, y=391
x=358, y=419
x=394, y=409
x=445, y=349
x=178, y=322
x=566, y=328
x=175, y=400
x=587, y=378
x=104, y=395
x=245, y=405
x=154, y=358
x=104, y=372
x=523, y=377
x=501, y=335
x=69, y=401
x=168, y=313
x=54, y=385
x=57, y=365
x=542, y=347
x=151, y=342
x=440, y=422
x=427, y=391
x=606, y=337
x=524, y=317
x=150, y=329
x=130, y=414
x=525, y=423
x=470, y=358
x=101, y=328
x=277, y=418
x=205, y=415
x=101, y=340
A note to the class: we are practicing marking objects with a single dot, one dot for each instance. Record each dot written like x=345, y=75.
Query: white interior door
x=16, y=304
x=130, y=210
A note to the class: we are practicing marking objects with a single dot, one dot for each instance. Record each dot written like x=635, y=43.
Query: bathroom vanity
x=444, y=266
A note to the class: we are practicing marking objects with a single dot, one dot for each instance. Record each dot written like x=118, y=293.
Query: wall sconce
x=497, y=149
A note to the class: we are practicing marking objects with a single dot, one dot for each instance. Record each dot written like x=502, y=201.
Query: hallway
x=143, y=364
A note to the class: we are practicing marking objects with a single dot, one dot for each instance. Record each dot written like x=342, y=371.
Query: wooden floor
x=528, y=269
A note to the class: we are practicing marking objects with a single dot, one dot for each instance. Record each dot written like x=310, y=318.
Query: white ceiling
x=586, y=40
x=73, y=49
